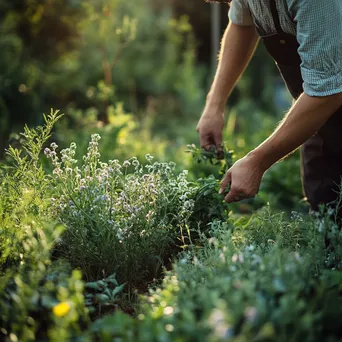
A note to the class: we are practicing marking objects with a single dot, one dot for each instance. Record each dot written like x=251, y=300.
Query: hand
x=210, y=128
x=245, y=178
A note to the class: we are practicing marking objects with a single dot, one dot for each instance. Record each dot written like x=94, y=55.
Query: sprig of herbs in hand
x=223, y=157
x=209, y=204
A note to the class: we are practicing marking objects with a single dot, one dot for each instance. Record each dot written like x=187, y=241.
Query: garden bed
x=136, y=251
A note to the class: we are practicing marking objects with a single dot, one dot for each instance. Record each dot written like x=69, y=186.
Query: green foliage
x=163, y=83
x=213, y=156
x=140, y=214
x=32, y=286
x=24, y=187
x=209, y=205
x=267, y=277
x=282, y=185
x=112, y=327
x=35, y=39
x=32, y=145
x=123, y=137
x=104, y=38
x=103, y=293
x=242, y=285
x=242, y=289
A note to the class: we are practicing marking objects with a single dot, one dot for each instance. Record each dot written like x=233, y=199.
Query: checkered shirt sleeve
x=319, y=33
x=318, y=27
x=239, y=13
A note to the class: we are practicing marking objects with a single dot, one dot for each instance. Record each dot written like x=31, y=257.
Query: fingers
x=210, y=135
x=206, y=141
x=218, y=141
x=236, y=193
x=233, y=196
x=245, y=179
x=219, y=147
x=227, y=180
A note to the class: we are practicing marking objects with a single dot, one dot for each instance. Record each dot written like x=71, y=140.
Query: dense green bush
x=119, y=217
x=246, y=284
x=36, y=39
x=39, y=298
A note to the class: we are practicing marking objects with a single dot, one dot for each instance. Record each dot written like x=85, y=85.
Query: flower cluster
x=111, y=207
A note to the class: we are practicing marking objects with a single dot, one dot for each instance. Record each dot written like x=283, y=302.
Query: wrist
x=262, y=159
x=216, y=102
x=214, y=110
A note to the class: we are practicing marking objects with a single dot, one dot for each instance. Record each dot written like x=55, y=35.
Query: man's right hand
x=210, y=128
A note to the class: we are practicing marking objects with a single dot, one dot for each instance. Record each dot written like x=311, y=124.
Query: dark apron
x=321, y=155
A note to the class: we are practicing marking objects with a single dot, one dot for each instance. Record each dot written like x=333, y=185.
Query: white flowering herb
x=125, y=218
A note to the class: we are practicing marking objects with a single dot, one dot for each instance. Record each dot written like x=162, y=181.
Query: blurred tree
x=35, y=35
x=200, y=19
x=71, y=53
x=139, y=54
x=258, y=82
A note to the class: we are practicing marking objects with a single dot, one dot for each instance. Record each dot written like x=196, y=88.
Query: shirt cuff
x=318, y=83
x=239, y=14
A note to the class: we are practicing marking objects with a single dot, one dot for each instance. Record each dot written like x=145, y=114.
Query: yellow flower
x=61, y=309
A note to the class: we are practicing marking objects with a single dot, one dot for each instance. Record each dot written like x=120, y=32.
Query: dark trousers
x=322, y=164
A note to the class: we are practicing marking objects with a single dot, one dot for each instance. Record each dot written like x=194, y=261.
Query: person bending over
x=304, y=37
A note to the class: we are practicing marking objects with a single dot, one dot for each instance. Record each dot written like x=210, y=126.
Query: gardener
x=305, y=39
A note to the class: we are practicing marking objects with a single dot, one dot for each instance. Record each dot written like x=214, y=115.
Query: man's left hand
x=245, y=178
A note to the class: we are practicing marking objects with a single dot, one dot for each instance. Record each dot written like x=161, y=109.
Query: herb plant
x=119, y=217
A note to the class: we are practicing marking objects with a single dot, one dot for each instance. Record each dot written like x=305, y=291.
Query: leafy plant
x=209, y=205
x=39, y=299
x=103, y=293
x=24, y=190
x=213, y=156
x=240, y=289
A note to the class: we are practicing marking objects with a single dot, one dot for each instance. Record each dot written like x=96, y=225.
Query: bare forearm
x=238, y=46
x=304, y=119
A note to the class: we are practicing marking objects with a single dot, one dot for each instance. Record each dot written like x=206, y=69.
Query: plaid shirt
x=317, y=24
